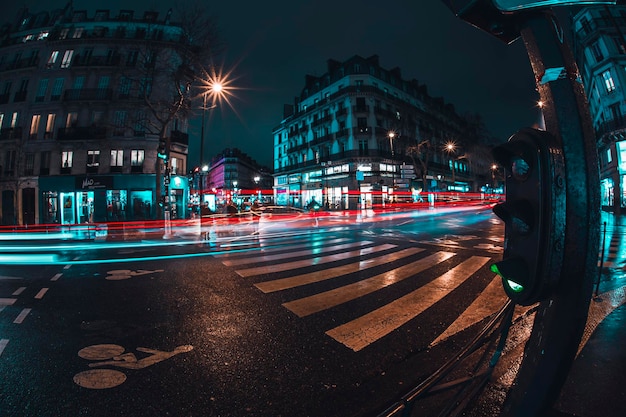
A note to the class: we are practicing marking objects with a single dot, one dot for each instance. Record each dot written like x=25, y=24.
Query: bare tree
x=168, y=69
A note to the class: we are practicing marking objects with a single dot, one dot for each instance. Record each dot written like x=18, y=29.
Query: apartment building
x=361, y=135
x=600, y=50
x=78, y=141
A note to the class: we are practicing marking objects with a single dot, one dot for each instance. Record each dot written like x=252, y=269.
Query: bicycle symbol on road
x=113, y=355
x=119, y=274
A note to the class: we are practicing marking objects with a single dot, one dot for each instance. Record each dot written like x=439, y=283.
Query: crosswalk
x=336, y=272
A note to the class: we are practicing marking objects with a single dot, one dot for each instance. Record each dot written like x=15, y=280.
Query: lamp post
x=391, y=135
x=450, y=147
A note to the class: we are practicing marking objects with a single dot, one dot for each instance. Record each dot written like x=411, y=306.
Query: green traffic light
x=514, y=286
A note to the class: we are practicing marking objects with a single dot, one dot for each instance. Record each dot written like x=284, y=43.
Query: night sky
x=273, y=44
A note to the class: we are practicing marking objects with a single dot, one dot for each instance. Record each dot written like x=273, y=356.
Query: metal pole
x=202, y=152
x=601, y=260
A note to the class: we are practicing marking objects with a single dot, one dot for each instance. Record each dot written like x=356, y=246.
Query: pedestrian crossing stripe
x=317, y=260
x=329, y=273
x=273, y=256
x=370, y=327
x=235, y=259
x=488, y=302
x=322, y=301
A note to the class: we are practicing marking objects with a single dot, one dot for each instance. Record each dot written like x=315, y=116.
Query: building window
x=66, y=159
x=597, y=51
x=93, y=158
x=34, y=125
x=125, y=84
x=42, y=90
x=117, y=158
x=57, y=89
x=145, y=87
x=72, y=120
x=609, y=83
x=67, y=58
x=609, y=158
x=9, y=162
x=119, y=121
x=63, y=33
x=54, y=55
x=50, y=126
x=29, y=163
x=131, y=58
x=136, y=157
x=78, y=33
x=621, y=156
x=44, y=167
x=14, y=119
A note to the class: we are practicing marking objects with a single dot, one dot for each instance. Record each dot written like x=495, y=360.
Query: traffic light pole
x=560, y=319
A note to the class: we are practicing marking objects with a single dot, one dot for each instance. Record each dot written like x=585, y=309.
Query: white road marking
x=19, y=291
x=56, y=277
x=41, y=293
x=20, y=318
x=359, y=333
x=317, y=276
x=322, y=301
x=318, y=260
x=7, y=301
x=3, y=344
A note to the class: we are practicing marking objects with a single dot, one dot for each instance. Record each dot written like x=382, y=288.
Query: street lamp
x=450, y=147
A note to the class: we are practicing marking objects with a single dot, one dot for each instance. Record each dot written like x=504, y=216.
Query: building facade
x=232, y=177
x=78, y=141
x=360, y=135
x=600, y=49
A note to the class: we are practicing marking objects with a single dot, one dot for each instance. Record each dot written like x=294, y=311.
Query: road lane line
x=490, y=300
x=41, y=293
x=322, y=301
x=19, y=291
x=287, y=255
x=317, y=276
x=7, y=301
x=359, y=333
x=20, y=318
x=3, y=344
x=56, y=277
x=318, y=260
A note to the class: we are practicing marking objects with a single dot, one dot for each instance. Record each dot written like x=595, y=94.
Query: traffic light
x=162, y=150
x=534, y=215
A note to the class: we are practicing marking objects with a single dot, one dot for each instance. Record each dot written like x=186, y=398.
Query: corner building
x=600, y=49
x=344, y=142
x=75, y=138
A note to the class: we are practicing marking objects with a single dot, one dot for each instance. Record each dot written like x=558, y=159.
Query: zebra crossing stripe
x=282, y=254
x=359, y=333
x=318, y=260
x=317, y=276
x=318, y=302
x=487, y=303
x=291, y=244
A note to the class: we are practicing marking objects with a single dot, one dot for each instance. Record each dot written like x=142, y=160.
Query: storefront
x=105, y=198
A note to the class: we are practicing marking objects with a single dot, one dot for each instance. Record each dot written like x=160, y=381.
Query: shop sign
x=92, y=183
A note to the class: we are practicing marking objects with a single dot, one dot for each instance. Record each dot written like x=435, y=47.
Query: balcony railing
x=10, y=133
x=81, y=133
x=610, y=126
x=362, y=153
x=179, y=137
x=88, y=94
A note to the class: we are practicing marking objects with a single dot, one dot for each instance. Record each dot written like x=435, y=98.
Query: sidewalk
x=596, y=385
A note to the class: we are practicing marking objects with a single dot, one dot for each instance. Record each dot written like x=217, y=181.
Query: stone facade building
x=78, y=141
